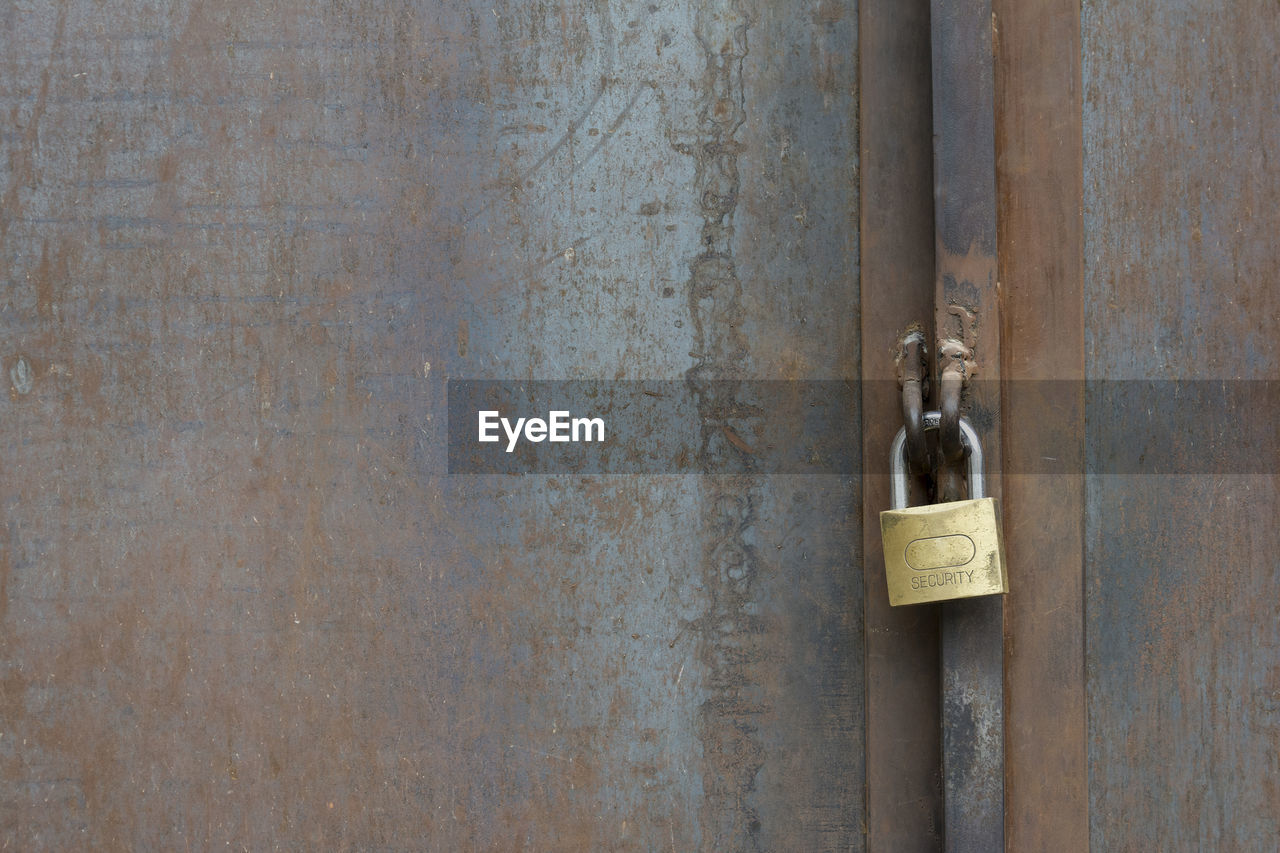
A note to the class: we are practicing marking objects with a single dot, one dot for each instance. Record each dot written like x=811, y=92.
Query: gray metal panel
x=241, y=602
x=1181, y=116
x=904, y=737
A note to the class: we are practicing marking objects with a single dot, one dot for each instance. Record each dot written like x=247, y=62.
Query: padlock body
x=943, y=551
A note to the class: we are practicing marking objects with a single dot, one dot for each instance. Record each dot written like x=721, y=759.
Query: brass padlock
x=942, y=551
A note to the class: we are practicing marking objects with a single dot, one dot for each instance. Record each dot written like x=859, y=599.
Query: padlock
x=942, y=551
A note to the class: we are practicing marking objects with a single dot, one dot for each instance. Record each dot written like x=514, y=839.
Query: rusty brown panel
x=1038, y=175
x=1181, y=262
x=904, y=794
x=241, y=601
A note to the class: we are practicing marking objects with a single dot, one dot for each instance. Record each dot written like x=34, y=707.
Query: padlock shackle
x=898, y=477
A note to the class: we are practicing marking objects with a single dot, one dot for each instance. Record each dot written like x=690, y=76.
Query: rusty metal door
x=244, y=603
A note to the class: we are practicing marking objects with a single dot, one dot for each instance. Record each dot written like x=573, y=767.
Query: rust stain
x=968, y=280
x=736, y=440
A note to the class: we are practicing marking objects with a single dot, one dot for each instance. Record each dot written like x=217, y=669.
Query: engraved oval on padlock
x=939, y=552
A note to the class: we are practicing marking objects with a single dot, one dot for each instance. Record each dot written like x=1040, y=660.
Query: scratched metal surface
x=242, y=248
x=1182, y=575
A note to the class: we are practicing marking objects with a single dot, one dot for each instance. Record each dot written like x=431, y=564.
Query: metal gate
x=244, y=249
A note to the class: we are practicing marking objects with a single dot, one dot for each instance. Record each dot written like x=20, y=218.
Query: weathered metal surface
x=967, y=319
x=242, y=248
x=1181, y=260
x=903, y=743
x=1038, y=139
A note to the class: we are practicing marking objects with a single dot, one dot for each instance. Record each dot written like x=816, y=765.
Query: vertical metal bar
x=966, y=310
x=1039, y=143
x=903, y=743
